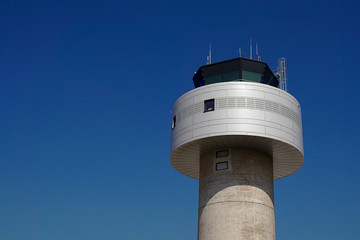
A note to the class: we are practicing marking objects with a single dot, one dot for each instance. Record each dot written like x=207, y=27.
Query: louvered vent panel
x=242, y=102
x=220, y=103
x=260, y=104
x=231, y=102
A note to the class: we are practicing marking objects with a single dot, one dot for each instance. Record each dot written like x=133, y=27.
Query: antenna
x=257, y=53
x=282, y=72
x=239, y=52
x=208, y=58
x=250, y=48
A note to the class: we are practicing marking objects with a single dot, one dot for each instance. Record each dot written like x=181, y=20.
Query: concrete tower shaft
x=237, y=202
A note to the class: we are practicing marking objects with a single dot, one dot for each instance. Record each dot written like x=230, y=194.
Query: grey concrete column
x=238, y=202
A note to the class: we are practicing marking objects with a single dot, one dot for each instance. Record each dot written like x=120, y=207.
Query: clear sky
x=86, y=94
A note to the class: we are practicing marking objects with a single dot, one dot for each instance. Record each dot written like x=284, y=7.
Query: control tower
x=236, y=132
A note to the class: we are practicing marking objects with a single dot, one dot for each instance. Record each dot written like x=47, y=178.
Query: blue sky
x=86, y=93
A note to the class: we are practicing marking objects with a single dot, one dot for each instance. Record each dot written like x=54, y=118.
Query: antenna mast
x=250, y=48
x=257, y=53
x=282, y=72
x=208, y=58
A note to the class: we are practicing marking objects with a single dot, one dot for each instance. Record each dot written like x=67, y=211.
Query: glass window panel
x=223, y=153
x=213, y=79
x=251, y=76
x=231, y=76
x=173, y=124
x=221, y=166
x=209, y=105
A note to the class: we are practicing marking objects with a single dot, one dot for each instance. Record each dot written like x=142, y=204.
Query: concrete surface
x=237, y=203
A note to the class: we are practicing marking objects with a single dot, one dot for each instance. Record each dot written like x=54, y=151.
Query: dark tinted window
x=173, y=124
x=209, y=105
x=223, y=153
x=221, y=166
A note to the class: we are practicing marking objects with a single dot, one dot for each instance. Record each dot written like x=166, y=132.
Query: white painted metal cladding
x=246, y=114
